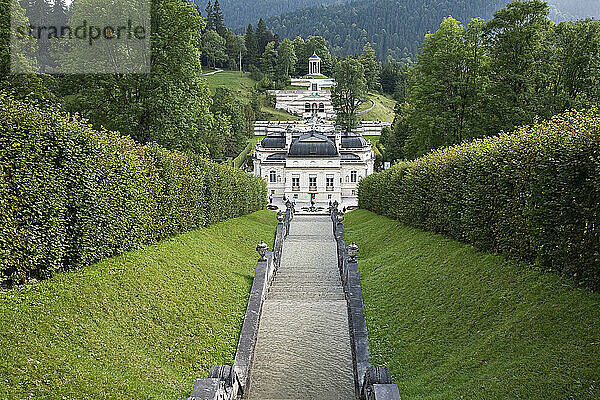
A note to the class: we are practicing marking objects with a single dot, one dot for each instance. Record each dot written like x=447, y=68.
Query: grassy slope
x=140, y=326
x=383, y=111
x=373, y=138
x=242, y=87
x=452, y=322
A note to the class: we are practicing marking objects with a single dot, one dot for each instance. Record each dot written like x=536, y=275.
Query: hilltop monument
x=314, y=65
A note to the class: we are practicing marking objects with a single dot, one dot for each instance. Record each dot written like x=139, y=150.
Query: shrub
x=71, y=195
x=533, y=195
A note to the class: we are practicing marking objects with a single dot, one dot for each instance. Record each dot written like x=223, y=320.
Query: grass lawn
x=242, y=87
x=373, y=138
x=452, y=322
x=383, y=111
x=142, y=325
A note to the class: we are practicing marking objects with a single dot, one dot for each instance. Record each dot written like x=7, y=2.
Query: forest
x=477, y=79
x=396, y=27
x=240, y=13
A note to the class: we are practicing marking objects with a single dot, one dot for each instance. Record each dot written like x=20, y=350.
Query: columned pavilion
x=314, y=65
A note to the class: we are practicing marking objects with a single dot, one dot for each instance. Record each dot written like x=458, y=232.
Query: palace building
x=305, y=162
x=312, y=159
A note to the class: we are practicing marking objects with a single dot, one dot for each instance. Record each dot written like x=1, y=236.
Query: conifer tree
x=210, y=18
x=218, y=19
x=371, y=67
x=262, y=35
x=251, y=43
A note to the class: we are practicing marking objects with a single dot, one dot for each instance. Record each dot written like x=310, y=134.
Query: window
x=307, y=107
x=296, y=196
x=321, y=107
x=353, y=192
x=272, y=177
x=295, y=182
x=329, y=184
x=312, y=182
x=315, y=87
x=353, y=176
x=328, y=197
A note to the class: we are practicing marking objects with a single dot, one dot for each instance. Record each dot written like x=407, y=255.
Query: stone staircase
x=303, y=348
x=304, y=334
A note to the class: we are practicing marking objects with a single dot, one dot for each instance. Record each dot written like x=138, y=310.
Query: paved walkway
x=213, y=72
x=303, y=345
x=361, y=113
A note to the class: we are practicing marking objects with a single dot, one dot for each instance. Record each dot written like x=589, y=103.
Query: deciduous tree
x=350, y=91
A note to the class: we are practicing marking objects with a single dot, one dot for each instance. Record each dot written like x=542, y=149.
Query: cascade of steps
x=303, y=348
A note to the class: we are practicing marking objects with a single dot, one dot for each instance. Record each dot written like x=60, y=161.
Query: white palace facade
x=305, y=162
x=312, y=159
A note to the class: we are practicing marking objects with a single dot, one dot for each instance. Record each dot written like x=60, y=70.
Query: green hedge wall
x=71, y=196
x=533, y=195
x=239, y=160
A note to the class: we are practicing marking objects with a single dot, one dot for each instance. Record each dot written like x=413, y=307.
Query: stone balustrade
x=231, y=382
x=372, y=383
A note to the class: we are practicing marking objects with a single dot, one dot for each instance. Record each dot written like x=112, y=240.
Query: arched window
x=321, y=107
x=307, y=107
x=314, y=107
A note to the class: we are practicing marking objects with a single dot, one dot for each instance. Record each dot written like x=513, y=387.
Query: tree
x=349, y=92
x=251, y=43
x=575, y=80
x=218, y=19
x=269, y=59
x=286, y=56
x=225, y=103
x=393, y=139
x=299, y=68
x=39, y=13
x=371, y=67
x=169, y=105
x=445, y=87
x=389, y=76
x=236, y=48
x=263, y=36
x=213, y=46
x=519, y=50
x=21, y=58
x=210, y=17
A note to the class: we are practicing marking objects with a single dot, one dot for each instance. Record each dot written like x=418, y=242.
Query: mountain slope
x=575, y=8
x=240, y=13
x=394, y=27
x=397, y=27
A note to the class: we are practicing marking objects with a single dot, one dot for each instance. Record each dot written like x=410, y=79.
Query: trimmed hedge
x=240, y=158
x=533, y=195
x=71, y=196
